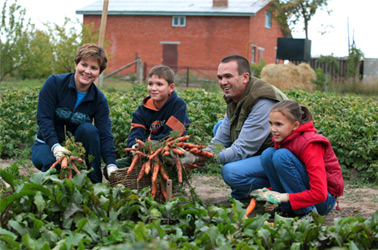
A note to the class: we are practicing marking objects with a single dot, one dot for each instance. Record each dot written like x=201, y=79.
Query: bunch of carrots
x=152, y=160
x=68, y=165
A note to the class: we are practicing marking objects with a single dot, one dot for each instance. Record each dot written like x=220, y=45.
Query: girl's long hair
x=293, y=111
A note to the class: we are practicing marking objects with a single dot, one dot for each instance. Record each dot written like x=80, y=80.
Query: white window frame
x=178, y=21
x=268, y=19
x=254, y=51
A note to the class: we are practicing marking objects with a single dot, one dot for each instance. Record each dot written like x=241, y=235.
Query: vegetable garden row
x=350, y=123
x=45, y=212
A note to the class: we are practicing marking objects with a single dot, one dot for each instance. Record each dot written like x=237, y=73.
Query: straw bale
x=289, y=76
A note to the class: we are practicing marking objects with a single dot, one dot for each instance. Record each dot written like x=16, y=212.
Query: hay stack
x=288, y=76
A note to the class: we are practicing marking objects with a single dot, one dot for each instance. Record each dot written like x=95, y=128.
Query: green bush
x=349, y=122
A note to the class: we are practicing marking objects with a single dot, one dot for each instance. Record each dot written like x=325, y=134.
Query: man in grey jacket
x=244, y=132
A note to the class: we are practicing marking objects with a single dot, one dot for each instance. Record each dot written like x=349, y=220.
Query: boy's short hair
x=163, y=71
x=92, y=50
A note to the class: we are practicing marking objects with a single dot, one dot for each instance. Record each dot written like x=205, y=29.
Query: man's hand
x=59, y=151
x=110, y=169
x=186, y=158
x=265, y=194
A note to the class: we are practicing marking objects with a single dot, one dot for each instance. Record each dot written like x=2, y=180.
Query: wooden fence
x=338, y=75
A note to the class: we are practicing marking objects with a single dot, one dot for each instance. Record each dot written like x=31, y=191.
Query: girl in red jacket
x=302, y=168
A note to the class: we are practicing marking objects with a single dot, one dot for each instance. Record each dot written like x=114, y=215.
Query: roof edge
x=163, y=13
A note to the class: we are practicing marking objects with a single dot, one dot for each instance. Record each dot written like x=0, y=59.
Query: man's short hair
x=164, y=72
x=243, y=64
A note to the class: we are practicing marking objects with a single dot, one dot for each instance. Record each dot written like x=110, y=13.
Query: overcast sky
x=362, y=15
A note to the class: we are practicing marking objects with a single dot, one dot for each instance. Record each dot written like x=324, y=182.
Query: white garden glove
x=187, y=157
x=135, y=146
x=59, y=151
x=265, y=194
x=110, y=169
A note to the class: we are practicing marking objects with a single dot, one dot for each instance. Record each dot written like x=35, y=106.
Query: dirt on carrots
x=212, y=189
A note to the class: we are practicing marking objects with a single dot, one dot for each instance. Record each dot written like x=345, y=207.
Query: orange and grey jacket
x=148, y=120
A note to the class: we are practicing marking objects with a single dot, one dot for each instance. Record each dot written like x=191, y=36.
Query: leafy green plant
x=49, y=213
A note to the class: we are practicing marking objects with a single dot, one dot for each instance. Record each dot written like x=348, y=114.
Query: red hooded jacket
x=323, y=168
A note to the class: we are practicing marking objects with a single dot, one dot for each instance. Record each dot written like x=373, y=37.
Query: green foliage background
x=349, y=122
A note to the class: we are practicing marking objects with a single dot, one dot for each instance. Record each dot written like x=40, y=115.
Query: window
x=178, y=21
x=268, y=19
x=253, y=59
x=261, y=54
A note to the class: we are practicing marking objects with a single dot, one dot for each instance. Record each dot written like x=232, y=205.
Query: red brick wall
x=264, y=37
x=203, y=42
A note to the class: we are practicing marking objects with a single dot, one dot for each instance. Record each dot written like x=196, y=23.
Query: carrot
x=130, y=149
x=133, y=163
x=154, y=189
x=179, y=169
x=155, y=172
x=180, y=144
x=155, y=154
x=141, y=143
x=142, y=171
x=57, y=162
x=69, y=174
x=167, y=153
x=251, y=206
x=75, y=168
x=191, y=145
x=75, y=158
x=163, y=173
x=206, y=154
x=164, y=192
x=194, y=150
x=147, y=167
x=170, y=139
x=192, y=165
x=177, y=151
x=140, y=153
x=179, y=139
x=183, y=138
x=64, y=163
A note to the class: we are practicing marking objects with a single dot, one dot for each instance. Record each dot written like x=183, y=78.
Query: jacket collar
x=91, y=93
x=149, y=103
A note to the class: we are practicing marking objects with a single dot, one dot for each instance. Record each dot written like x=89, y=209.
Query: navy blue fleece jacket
x=56, y=103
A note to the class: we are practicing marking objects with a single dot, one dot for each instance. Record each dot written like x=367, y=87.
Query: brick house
x=185, y=33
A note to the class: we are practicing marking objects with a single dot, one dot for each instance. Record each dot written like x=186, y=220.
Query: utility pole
x=101, y=37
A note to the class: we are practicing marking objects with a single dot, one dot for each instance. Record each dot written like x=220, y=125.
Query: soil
x=212, y=189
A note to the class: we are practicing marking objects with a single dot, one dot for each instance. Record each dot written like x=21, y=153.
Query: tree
x=289, y=12
x=39, y=63
x=14, y=39
x=354, y=62
x=66, y=40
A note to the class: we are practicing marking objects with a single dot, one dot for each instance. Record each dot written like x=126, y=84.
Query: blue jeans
x=287, y=174
x=243, y=176
x=88, y=135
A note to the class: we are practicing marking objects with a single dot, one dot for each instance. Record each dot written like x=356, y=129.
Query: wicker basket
x=130, y=181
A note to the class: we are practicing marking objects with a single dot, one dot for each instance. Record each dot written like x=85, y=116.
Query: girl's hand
x=265, y=194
